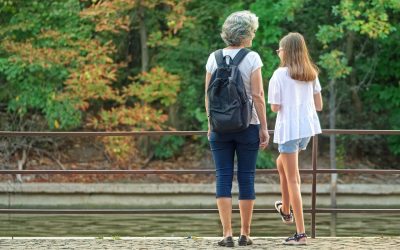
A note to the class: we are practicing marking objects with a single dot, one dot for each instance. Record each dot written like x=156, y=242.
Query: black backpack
x=229, y=107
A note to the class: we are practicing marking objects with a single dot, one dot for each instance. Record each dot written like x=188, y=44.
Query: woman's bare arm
x=207, y=82
x=257, y=92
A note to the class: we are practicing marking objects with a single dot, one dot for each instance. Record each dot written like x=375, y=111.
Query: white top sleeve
x=211, y=63
x=317, y=86
x=257, y=63
x=274, y=90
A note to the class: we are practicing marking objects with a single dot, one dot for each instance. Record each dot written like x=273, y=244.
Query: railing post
x=314, y=184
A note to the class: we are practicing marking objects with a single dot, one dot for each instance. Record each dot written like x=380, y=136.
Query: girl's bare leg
x=284, y=186
x=291, y=169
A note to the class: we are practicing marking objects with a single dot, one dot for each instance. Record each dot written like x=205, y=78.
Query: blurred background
x=125, y=65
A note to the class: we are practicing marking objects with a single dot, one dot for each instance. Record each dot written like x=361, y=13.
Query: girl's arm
x=318, y=101
x=275, y=107
x=274, y=93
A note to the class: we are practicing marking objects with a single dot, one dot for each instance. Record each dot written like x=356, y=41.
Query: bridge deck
x=190, y=243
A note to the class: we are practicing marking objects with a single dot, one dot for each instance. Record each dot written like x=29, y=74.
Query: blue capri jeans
x=224, y=146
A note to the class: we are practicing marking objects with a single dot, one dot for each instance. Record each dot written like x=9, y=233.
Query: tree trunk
x=143, y=39
x=173, y=117
x=145, y=67
x=21, y=164
x=353, y=77
x=332, y=151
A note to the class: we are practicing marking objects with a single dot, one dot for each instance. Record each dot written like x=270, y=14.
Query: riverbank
x=167, y=195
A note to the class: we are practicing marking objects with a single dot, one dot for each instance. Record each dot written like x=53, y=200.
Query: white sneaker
x=286, y=218
x=296, y=239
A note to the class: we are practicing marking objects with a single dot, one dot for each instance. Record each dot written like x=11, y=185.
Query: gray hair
x=239, y=26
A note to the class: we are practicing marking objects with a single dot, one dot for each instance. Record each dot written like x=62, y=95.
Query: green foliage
x=340, y=154
x=77, y=64
x=156, y=40
x=265, y=160
x=365, y=17
x=62, y=113
x=33, y=79
x=271, y=31
x=156, y=85
x=368, y=18
x=335, y=64
x=188, y=59
x=385, y=101
x=371, y=24
x=329, y=33
x=168, y=146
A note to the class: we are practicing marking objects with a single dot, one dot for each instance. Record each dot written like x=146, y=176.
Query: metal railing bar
x=185, y=211
x=140, y=171
x=123, y=211
x=195, y=171
x=101, y=133
x=360, y=132
x=358, y=210
x=358, y=171
x=178, y=133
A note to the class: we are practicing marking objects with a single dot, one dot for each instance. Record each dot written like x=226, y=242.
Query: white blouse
x=297, y=117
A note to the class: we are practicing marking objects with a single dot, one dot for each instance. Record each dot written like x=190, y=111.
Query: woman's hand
x=264, y=138
x=208, y=133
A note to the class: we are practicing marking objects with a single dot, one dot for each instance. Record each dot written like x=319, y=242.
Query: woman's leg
x=247, y=146
x=246, y=214
x=223, y=155
x=291, y=169
x=225, y=215
x=284, y=186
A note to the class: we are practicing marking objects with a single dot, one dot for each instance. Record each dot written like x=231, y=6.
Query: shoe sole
x=245, y=244
x=294, y=243
x=283, y=220
x=228, y=244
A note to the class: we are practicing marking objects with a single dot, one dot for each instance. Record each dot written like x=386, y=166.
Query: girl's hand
x=208, y=133
x=264, y=138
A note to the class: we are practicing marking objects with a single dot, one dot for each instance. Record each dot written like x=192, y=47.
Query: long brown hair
x=296, y=57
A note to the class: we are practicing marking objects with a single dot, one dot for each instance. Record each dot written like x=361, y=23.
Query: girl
x=295, y=94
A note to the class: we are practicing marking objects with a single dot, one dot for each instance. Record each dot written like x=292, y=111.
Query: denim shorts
x=294, y=145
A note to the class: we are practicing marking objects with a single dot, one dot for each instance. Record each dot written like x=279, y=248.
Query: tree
x=359, y=21
x=66, y=64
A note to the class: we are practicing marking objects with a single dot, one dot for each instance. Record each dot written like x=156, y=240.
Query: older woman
x=238, y=31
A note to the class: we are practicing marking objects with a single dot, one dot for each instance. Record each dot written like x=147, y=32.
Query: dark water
x=187, y=225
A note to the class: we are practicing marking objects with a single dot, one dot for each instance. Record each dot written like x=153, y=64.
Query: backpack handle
x=219, y=57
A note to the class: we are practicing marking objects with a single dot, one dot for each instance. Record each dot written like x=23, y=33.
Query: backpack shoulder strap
x=219, y=57
x=240, y=55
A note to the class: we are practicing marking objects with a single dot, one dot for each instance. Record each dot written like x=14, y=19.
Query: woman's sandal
x=226, y=242
x=286, y=218
x=296, y=239
x=244, y=240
